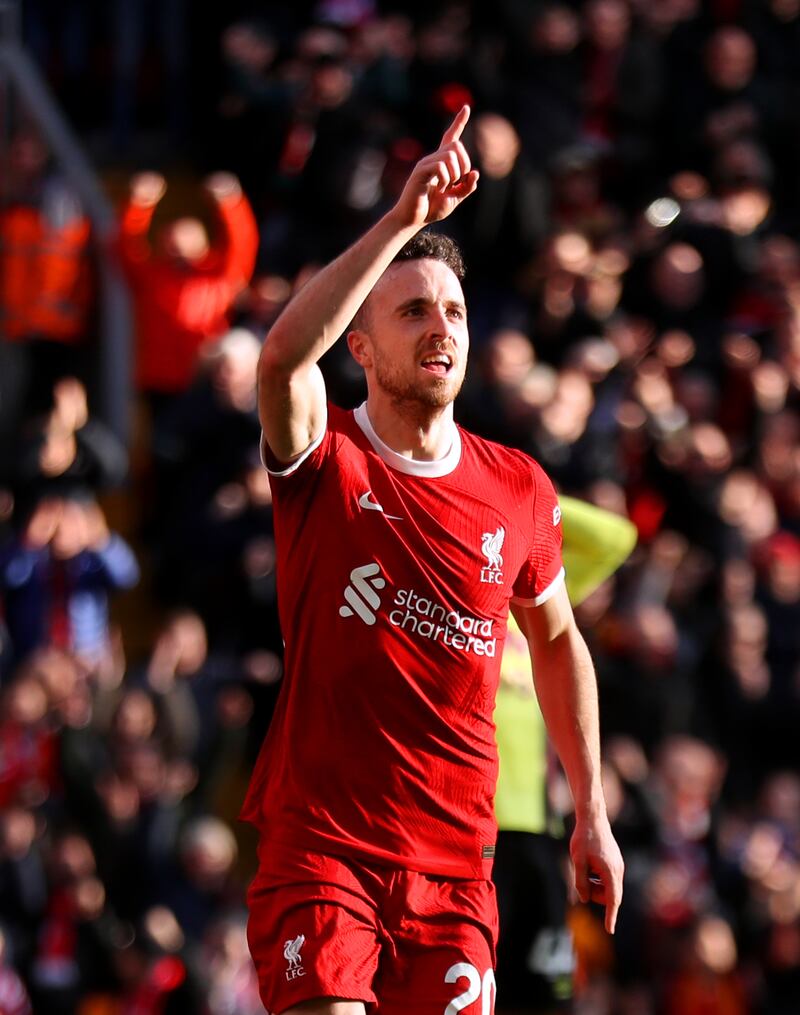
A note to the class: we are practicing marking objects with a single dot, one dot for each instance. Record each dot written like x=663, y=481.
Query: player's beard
x=436, y=393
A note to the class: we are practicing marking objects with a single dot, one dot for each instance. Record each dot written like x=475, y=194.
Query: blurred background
x=168, y=178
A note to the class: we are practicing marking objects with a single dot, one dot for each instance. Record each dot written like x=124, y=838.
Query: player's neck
x=414, y=431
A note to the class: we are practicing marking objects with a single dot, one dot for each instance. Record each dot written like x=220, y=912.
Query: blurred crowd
x=633, y=255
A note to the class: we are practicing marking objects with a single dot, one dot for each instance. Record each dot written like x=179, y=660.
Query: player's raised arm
x=291, y=391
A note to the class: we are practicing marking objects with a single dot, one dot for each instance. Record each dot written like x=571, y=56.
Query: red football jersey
x=394, y=582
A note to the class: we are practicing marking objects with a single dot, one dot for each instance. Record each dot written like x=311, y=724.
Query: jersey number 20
x=479, y=987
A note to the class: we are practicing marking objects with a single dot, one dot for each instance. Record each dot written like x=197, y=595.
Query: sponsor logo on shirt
x=491, y=546
x=366, y=502
x=420, y=615
x=360, y=594
x=291, y=952
x=429, y=619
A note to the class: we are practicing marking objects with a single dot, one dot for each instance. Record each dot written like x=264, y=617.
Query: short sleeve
x=308, y=460
x=543, y=571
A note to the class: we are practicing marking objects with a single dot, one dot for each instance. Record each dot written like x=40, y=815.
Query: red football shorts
x=400, y=941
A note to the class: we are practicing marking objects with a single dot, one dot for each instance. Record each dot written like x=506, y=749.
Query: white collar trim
x=410, y=466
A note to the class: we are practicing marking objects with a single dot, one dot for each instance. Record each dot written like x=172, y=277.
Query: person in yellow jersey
x=535, y=956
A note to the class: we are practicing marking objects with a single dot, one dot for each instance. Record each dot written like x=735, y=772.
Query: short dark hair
x=437, y=247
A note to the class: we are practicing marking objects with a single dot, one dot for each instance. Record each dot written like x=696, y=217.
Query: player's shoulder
x=503, y=461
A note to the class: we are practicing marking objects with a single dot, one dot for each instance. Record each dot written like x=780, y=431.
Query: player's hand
x=221, y=186
x=147, y=189
x=598, y=865
x=439, y=182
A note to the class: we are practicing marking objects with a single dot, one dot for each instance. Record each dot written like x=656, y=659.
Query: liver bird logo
x=491, y=546
x=291, y=950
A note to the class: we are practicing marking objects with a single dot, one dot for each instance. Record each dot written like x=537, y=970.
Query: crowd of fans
x=633, y=255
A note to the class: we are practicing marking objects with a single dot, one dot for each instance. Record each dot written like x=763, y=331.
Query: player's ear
x=360, y=348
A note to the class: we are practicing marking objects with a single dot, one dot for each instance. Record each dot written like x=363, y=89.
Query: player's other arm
x=291, y=396
x=567, y=691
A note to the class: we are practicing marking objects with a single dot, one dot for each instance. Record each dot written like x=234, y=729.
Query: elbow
x=279, y=360
x=272, y=363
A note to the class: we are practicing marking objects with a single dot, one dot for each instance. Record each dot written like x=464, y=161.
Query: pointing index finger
x=453, y=132
x=613, y=904
x=612, y=908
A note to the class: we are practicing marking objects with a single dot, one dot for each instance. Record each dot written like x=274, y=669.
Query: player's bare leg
x=327, y=1006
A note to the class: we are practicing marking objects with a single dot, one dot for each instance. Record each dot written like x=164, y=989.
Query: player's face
x=416, y=343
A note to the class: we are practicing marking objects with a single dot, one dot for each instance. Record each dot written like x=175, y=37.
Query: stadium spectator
x=67, y=450
x=184, y=289
x=46, y=279
x=56, y=577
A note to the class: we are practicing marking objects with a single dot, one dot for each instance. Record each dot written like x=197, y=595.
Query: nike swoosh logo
x=373, y=505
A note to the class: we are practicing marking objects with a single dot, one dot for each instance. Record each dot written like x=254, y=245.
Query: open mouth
x=438, y=363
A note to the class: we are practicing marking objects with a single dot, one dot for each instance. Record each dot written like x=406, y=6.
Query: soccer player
x=402, y=541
